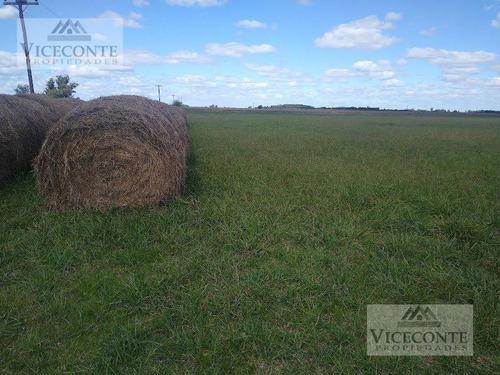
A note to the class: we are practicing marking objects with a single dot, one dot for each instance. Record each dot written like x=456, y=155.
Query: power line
x=50, y=10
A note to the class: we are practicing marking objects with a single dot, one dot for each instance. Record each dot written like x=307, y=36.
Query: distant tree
x=260, y=107
x=60, y=87
x=177, y=103
x=214, y=106
x=22, y=89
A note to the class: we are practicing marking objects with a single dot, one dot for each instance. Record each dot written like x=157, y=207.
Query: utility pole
x=19, y=4
x=173, y=99
x=159, y=92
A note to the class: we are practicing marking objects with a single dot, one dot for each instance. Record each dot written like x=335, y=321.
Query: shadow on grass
x=20, y=183
x=193, y=178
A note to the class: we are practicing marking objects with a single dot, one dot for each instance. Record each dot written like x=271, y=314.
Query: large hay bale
x=23, y=125
x=118, y=151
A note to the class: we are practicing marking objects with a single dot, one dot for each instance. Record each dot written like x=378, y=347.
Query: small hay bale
x=23, y=125
x=118, y=151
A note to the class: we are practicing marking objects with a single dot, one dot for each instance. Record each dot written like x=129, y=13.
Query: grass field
x=291, y=224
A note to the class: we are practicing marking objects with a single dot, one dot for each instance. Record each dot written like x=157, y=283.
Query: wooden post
x=19, y=5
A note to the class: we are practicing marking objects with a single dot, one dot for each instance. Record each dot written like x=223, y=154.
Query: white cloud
x=8, y=12
x=140, y=3
x=459, y=74
x=393, y=16
x=338, y=75
x=248, y=83
x=496, y=22
x=305, y=2
x=445, y=58
x=251, y=24
x=393, y=82
x=457, y=66
x=366, y=33
x=128, y=21
x=187, y=57
x=8, y=64
x=274, y=73
x=194, y=80
x=381, y=70
x=99, y=37
x=237, y=50
x=192, y=3
x=91, y=72
x=218, y=81
x=135, y=57
x=428, y=32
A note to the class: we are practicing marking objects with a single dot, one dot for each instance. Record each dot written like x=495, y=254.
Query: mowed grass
x=291, y=224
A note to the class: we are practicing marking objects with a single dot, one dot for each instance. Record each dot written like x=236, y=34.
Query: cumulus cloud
x=393, y=82
x=192, y=3
x=251, y=24
x=338, y=75
x=455, y=74
x=274, y=73
x=135, y=57
x=428, y=32
x=237, y=50
x=218, y=81
x=8, y=12
x=8, y=64
x=496, y=22
x=457, y=66
x=140, y=3
x=130, y=21
x=92, y=72
x=444, y=57
x=381, y=70
x=187, y=57
x=194, y=80
x=393, y=16
x=366, y=33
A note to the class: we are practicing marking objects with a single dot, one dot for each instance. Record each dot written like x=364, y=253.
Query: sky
x=391, y=54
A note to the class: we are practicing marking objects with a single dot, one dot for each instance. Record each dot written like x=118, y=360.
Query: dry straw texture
x=59, y=107
x=24, y=122
x=118, y=151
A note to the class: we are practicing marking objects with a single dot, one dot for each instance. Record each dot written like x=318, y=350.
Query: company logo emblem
x=419, y=317
x=420, y=330
x=69, y=31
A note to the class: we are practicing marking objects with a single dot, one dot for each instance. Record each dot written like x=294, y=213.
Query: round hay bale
x=23, y=125
x=24, y=121
x=119, y=151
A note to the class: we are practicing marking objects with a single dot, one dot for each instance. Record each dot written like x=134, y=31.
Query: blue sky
x=390, y=54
